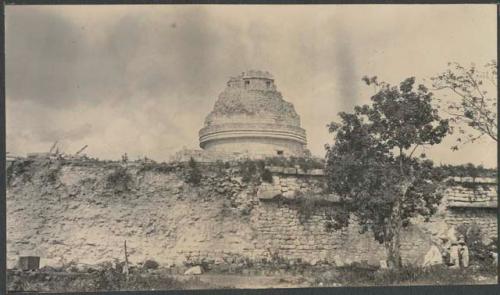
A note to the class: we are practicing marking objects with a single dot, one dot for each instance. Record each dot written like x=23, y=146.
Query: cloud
x=41, y=50
x=50, y=135
x=142, y=80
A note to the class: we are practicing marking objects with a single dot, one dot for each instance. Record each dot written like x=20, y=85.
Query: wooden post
x=125, y=267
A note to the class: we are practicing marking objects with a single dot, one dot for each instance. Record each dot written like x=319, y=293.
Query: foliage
x=477, y=104
x=157, y=167
x=372, y=166
x=221, y=168
x=251, y=171
x=354, y=275
x=193, y=174
x=467, y=170
x=52, y=175
x=19, y=168
x=307, y=206
x=120, y=180
x=248, y=170
x=150, y=264
x=304, y=163
x=255, y=170
x=267, y=176
x=480, y=253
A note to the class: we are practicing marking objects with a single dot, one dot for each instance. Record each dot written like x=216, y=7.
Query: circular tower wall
x=251, y=117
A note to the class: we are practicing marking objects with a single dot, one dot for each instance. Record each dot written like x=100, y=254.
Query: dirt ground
x=160, y=280
x=252, y=282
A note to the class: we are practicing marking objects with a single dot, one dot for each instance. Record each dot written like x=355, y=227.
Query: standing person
x=454, y=255
x=464, y=253
x=445, y=250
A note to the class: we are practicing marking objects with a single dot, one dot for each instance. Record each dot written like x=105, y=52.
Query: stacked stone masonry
x=79, y=218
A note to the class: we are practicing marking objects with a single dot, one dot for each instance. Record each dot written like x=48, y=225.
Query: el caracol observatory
x=251, y=118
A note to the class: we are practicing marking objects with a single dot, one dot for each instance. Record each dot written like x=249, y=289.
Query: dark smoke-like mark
x=345, y=71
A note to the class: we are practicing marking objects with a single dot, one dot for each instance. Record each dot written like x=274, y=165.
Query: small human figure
x=445, y=250
x=464, y=253
x=454, y=255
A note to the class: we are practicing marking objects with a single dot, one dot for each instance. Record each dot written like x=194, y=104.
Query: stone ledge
x=295, y=171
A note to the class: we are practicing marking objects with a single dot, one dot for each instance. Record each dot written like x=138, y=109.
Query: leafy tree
x=477, y=104
x=372, y=165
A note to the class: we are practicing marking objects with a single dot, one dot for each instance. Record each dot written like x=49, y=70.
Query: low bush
x=266, y=176
x=52, y=175
x=304, y=163
x=150, y=264
x=120, y=180
x=248, y=170
x=157, y=167
x=193, y=173
x=24, y=169
x=354, y=275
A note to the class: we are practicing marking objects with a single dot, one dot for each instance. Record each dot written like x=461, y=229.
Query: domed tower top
x=253, y=95
x=251, y=116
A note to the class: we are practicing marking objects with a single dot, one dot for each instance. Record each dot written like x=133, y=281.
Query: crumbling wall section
x=84, y=211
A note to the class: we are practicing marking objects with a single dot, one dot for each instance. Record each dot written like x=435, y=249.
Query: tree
x=372, y=165
x=477, y=104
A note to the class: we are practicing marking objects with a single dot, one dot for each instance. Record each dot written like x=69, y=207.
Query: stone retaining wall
x=78, y=218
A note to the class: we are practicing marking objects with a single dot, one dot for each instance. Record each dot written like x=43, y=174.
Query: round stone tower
x=251, y=118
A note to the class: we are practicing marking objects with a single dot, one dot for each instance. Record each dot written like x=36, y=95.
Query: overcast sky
x=141, y=79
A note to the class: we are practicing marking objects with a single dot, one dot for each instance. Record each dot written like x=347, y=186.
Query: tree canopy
x=476, y=105
x=372, y=164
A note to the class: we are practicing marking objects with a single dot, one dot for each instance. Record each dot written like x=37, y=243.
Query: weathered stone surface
x=250, y=117
x=195, y=223
x=275, y=169
x=432, y=257
x=316, y=172
x=195, y=270
x=267, y=192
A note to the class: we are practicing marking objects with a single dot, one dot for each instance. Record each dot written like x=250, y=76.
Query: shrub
x=248, y=170
x=221, y=168
x=52, y=175
x=255, y=171
x=266, y=176
x=108, y=278
x=304, y=163
x=480, y=253
x=157, y=167
x=306, y=208
x=309, y=205
x=19, y=168
x=193, y=175
x=150, y=264
x=119, y=179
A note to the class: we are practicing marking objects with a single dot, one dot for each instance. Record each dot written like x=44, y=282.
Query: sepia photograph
x=188, y=147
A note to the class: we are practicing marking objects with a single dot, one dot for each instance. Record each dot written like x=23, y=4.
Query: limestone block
x=289, y=194
x=195, y=270
x=267, y=192
x=275, y=169
x=301, y=171
x=432, y=257
x=316, y=172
